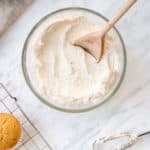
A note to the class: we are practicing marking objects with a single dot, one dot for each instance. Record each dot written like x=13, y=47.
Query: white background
x=129, y=109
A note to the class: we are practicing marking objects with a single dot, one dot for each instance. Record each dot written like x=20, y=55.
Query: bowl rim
x=27, y=79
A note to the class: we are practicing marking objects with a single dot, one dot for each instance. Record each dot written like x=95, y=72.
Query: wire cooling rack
x=31, y=138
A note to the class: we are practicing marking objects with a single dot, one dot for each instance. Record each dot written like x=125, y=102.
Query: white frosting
x=66, y=72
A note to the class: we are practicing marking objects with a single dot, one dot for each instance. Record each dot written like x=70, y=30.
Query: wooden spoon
x=93, y=43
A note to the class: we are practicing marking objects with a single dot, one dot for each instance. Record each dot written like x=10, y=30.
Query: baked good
x=10, y=131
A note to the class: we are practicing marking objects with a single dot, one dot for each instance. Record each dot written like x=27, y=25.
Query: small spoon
x=93, y=43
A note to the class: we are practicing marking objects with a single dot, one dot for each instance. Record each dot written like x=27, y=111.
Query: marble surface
x=129, y=109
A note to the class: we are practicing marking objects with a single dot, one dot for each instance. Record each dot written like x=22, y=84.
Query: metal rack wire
x=31, y=138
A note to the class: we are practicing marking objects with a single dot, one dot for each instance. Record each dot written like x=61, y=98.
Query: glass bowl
x=27, y=59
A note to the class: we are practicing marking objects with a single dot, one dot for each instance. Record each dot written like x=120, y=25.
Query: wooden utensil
x=93, y=43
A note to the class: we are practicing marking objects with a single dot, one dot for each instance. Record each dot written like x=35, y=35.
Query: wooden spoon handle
x=114, y=20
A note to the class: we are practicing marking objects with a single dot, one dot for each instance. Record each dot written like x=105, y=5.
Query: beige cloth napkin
x=10, y=10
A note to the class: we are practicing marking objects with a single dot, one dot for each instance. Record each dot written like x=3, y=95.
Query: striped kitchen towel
x=10, y=10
